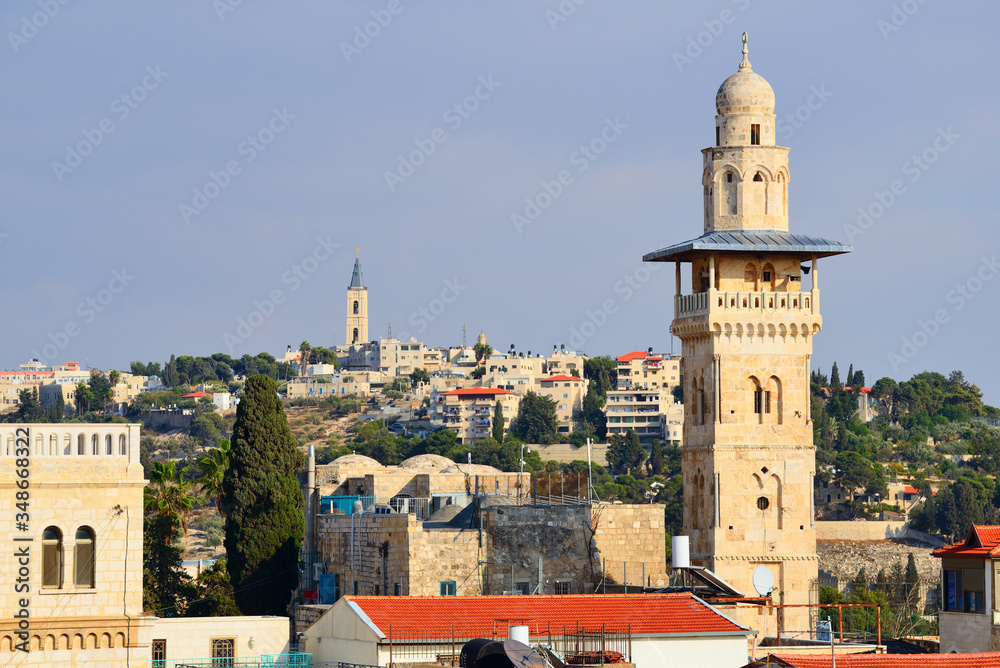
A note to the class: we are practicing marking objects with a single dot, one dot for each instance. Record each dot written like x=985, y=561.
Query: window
x=448, y=588
x=953, y=590
x=355, y=587
x=767, y=276
x=83, y=558
x=122, y=447
x=94, y=446
x=729, y=177
x=223, y=652
x=356, y=307
x=755, y=134
x=562, y=588
x=355, y=340
x=758, y=400
x=159, y=654
x=758, y=178
x=52, y=558
x=396, y=589
x=763, y=503
x=523, y=587
x=107, y=444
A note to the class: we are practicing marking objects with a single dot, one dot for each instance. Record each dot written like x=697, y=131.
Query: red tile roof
x=628, y=357
x=981, y=660
x=560, y=378
x=657, y=614
x=196, y=395
x=476, y=391
x=983, y=543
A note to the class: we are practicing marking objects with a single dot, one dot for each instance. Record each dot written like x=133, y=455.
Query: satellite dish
x=523, y=656
x=763, y=581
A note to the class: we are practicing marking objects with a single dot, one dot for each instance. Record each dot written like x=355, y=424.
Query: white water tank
x=681, y=550
x=520, y=634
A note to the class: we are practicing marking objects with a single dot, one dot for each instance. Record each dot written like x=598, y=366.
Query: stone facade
x=357, y=308
x=748, y=456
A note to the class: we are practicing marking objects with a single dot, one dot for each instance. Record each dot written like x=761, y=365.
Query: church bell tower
x=357, y=306
x=746, y=329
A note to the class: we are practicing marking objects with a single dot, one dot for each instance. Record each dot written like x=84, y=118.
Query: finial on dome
x=745, y=63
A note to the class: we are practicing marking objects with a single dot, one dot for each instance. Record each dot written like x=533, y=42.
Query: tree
x=57, y=411
x=912, y=581
x=100, y=389
x=946, y=514
x=593, y=413
x=482, y=351
x=304, y=352
x=29, y=408
x=214, y=596
x=656, y=458
x=169, y=493
x=263, y=502
x=213, y=469
x=170, y=377
x=602, y=372
x=536, y=420
x=498, y=422
x=419, y=376
x=850, y=376
x=626, y=453
x=835, y=377
x=82, y=398
x=166, y=588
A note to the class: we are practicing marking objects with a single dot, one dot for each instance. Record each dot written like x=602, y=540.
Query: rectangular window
x=223, y=652
x=83, y=559
x=159, y=655
x=757, y=400
x=767, y=401
x=523, y=587
x=953, y=591
x=716, y=135
x=755, y=134
x=448, y=588
x=355, y=587
x=396, y=589
x=562, y=588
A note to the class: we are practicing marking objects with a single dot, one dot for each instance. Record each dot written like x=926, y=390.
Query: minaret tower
x=357, y=305
x=746, y=329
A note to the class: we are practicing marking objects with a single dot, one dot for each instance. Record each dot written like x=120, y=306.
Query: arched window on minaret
x=729, y=183
x=757, y=399
x=357, y=307
x=773, y=396
x=750, y=278
x=767, y=277
x=355, y=339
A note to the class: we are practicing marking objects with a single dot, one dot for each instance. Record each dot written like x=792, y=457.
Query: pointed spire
x=745, y=63
x=356, y=279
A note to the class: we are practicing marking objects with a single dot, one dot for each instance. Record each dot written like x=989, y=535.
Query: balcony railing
x=289, y=660
x=791, y=302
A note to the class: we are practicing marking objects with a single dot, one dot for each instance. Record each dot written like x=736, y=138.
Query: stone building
x=71, y=578
x=357, y=307
x=469, y=410
x=747, y=328
x=645, y=370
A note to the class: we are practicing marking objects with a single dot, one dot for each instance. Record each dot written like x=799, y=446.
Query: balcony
x=747, y=302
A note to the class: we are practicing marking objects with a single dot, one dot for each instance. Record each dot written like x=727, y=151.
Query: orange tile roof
x=656, y=614
x=196, y=395
x=560, y=378
x=628, y=357
x=983, y=542
x=476, y=391
x=981, y=660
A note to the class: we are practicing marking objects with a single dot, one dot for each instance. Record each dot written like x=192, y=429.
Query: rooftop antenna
x=390, y=331
x=463, y=335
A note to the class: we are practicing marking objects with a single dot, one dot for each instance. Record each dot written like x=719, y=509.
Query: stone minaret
x=746, y=329
x=357, y=306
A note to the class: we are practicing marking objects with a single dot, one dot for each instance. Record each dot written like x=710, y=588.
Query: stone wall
x=631, y=542
x=567, y=452
x=872, y=531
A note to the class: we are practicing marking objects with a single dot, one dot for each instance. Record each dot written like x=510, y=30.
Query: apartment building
x=648, y=370
x=469, y=411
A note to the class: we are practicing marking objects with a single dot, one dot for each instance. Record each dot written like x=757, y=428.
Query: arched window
x=767, y=277
x=355, y=339
x=122, y=447
x=760, y=399
x=94, y=445
x=53, y=445
x=757, y=177
x=357, y=307
x=52, y=558
x=67, y=444
x=773, y=395
x=107, y=445
x=84, y=556
x=728, y=192
x=81, y=444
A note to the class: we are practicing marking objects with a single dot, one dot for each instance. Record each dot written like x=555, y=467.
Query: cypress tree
x=263, y=501
x=498, y=422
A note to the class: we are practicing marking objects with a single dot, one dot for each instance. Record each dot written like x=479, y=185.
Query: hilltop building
x=746, y=329
x=357, y=306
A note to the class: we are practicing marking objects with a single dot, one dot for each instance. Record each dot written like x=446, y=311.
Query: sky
x=194, y=177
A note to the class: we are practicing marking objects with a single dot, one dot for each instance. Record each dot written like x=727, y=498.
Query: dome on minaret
x=745, y=92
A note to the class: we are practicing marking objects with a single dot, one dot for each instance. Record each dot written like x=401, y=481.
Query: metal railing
x=287, y=660
x=745, y=301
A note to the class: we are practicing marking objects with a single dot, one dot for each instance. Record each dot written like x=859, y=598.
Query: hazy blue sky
x=332, y=110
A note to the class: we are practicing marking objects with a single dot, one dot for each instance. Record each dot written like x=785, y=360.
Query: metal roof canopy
x=748, y=241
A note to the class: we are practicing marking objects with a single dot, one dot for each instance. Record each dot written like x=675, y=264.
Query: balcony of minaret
x=749, y=284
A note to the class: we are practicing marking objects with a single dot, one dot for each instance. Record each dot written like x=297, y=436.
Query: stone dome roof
x=355, y=461
x=427, y=463
x=477, y=469
x=745, y=92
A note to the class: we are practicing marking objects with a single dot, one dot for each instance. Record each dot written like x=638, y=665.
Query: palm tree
x=169, y=493
x=82, y=398
x=213, y=467
x=305, y=349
